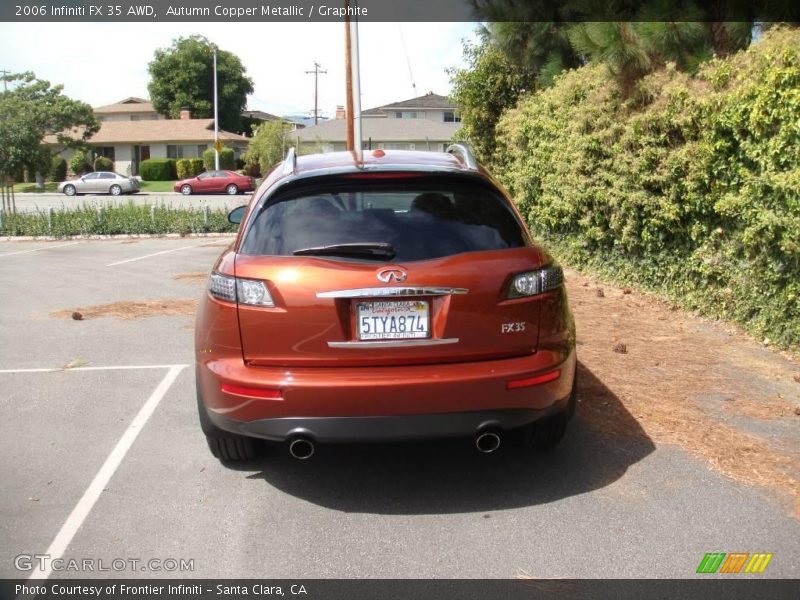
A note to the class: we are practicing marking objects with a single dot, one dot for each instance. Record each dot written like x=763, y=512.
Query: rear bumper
x=384, y=403
x=386, y=428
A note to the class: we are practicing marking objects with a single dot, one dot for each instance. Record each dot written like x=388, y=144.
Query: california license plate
x=393, y=320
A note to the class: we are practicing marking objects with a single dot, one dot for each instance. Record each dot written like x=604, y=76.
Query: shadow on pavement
x=452, y=477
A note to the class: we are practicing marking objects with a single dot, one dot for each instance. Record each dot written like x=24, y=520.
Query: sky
x=101, y=63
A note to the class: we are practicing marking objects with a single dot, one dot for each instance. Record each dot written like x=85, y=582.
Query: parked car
x=396, y=298
x=100, y=182
x=210, y=182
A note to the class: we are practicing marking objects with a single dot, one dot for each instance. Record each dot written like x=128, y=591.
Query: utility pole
x=317, y=70
x=348, y=78
x=5, y=83
x=216, y=116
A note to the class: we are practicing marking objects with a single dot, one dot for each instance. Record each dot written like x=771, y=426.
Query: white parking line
x=37, y=249
x=104, y=475
x=129, y=260
x=111, y=368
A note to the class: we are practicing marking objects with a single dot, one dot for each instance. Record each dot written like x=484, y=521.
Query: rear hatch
x=391, y=271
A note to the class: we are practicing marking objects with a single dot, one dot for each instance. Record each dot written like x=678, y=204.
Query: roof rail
x=290, y=162
x=467, y=157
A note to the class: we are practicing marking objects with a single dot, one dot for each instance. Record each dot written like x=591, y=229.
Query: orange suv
x=390, y=296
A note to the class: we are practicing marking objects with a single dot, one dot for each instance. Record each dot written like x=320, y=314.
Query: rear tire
x=115, y=190
x=548, y=432
x=232, y=189
x=224, y=445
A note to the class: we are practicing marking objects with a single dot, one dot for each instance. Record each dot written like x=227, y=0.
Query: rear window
x=409, y=221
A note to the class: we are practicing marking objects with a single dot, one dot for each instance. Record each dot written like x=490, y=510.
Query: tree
x=484, y=90
x=182, y=76
x=632, y=38
x=32, y=109
x=267, y=147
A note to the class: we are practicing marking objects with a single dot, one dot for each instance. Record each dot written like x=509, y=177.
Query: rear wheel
x=186, y=190
x=115, y=190
x=224, y=445
x=232, y=190
x=548, y=432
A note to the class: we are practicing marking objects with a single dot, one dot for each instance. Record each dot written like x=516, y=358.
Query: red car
x=395, y=297
x=212, y=182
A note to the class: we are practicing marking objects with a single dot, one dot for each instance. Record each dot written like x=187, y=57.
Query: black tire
x=232, y=189
x=548, y=432
x=186, y=189
x=69, y=190
x=224, y=445
x=115, y=190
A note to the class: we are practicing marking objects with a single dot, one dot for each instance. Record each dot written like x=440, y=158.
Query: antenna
x=408, y=60
x=317, y=70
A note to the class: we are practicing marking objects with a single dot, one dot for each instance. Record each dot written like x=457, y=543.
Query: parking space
x=106, y=461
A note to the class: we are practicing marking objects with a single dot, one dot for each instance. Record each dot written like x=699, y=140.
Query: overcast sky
x=101, y=63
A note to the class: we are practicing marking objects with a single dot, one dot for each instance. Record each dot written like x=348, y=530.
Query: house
x=132, y=131
x=424, y=123
x=253, y=118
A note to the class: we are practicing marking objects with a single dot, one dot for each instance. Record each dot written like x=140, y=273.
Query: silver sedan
x=100, y=182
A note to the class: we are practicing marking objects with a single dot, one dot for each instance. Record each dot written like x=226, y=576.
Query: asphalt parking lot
x=103, y=459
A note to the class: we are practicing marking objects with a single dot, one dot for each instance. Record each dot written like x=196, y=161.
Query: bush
x=691, y=188
x=158, y=169
x=117, y=219
x=79, y=163
x=189, y=167
x=101, y=163
x=58, y=169
x=226, y=159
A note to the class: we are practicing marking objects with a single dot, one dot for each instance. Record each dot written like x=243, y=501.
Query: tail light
x=235, y=289
x=536, y=282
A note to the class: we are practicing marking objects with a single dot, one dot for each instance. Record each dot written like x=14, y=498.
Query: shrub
x=79, y=163
x=158, y=169
x=226, y=159
x=101, y=163
x=691, y=188
x=58, y=169
x=189, y=167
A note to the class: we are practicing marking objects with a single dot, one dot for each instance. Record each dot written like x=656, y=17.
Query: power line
x=317, y=71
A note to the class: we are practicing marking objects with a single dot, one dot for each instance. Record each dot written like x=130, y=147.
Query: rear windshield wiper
x=360, y=249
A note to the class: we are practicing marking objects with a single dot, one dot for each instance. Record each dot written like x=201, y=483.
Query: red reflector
x=539, y=379
x=250, y=392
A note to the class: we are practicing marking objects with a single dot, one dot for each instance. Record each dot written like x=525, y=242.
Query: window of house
x=409, y=114
x=451, y=117
x=106, y=151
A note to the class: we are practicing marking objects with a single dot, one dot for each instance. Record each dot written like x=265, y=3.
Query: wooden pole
x=348, y=76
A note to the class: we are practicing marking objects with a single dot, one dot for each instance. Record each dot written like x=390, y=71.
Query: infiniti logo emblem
x=392, y=274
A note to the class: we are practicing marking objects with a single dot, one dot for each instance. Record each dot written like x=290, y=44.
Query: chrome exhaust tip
x=487, y=442
x=301, y=448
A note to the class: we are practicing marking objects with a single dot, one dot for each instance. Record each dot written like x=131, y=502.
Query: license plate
x=394, y=320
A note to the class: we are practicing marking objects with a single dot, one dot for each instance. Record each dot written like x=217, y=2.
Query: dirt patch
x=674, y=362
x=192, y=277
x=132, y=310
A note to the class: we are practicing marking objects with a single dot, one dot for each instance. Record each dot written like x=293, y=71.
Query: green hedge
x=79, y=163
x=58, y=169
x=226, y=159
x=117, y=219
x=690, y=188
x=158, y=169
x=188, y=167
x=101, y=163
